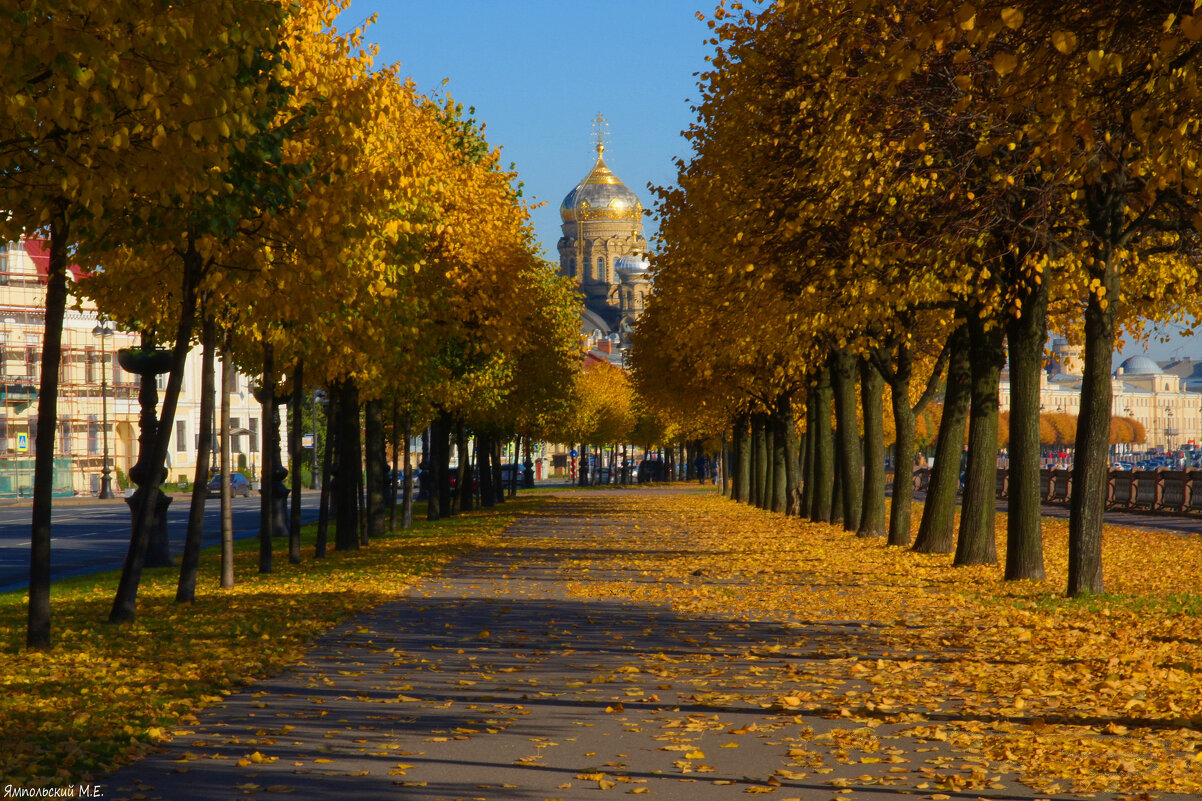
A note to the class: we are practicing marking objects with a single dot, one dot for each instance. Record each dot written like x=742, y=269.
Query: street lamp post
x=103, y=331
x=1168, y=428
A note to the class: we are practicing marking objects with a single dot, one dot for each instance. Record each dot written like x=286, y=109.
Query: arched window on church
x=572, y=267
x=600, y=268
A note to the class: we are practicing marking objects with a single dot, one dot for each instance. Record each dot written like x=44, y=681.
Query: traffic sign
x=22, y=443
x=573, y=453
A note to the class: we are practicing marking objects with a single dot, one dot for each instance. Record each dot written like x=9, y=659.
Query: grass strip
x=104, y=694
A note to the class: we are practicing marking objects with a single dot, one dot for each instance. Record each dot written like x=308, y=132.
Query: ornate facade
x=604, y=251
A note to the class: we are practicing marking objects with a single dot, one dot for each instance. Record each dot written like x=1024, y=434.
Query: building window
x=235, y=439
x=600, y=268
x=181, y=436
x=93, y=437
x=254, y=435
x=3, y=435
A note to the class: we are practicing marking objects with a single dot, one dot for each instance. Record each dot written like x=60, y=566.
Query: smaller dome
x=632, y=264
x=1140, y=365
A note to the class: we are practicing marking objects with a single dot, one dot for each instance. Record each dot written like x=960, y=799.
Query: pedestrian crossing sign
x=22, y=443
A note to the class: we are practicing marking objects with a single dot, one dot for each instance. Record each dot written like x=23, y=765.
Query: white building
x=1165, y=398
x=90, y=380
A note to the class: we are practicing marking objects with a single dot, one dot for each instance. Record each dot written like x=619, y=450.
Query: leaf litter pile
x=1072, y=696
x=106, y=693
x=617, y=641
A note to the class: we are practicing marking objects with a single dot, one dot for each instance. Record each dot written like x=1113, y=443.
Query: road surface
x=91, y=536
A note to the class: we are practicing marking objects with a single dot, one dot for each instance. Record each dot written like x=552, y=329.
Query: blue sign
x=573, y=453
x=22, y=443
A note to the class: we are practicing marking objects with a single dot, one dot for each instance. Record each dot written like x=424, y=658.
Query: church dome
x=632, y=265
x=1140, y=365
x=601, y=197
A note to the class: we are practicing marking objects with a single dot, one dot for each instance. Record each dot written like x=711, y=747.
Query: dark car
x=239, y=485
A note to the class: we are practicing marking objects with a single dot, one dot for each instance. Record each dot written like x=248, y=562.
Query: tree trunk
x=807, y=464
x=227, y=505
x=781, y=422
x=872, y=400
x=743, y=451
x=484, y=470
x=1091, y=462
x=296, y=456
x=329, y=471
x=125, y=601
x=902, y=501
x=377, y=468
x=361, y=497
x=37, y=634
x=443, y=450
x=346, y=480
x=498, y=475
x=936, y=529
x=792, y=461
x=837, y=489
x=724, y=465
x=1026, y=336
x=463, y=492
x=759, y=456
x=433, y=466
x=824, y=449
x=977, y=543
x=843, y=382
x=267, y=451
x=394, y=474
x=185, y=591
x=407, y=497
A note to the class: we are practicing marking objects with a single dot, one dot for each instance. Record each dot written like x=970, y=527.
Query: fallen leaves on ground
x=105, y=693
x=1096, y=694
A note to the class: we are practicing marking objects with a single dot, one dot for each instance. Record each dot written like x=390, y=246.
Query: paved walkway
x=492, y=681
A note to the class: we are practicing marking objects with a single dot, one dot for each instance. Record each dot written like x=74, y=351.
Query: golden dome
x=601, y=197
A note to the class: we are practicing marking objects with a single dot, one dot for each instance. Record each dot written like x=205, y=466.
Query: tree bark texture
x=781, y=422
x=296, y=456
x=227, y=506
x=346, y=479
x=823, y=473
x=902, y=501
x=37, y=633
x=329, y=471
x=872, y=400
x=125, y=601
x=185, y=591
x=977, y=542
x=1026, y=335
x=743, y=448
x=936, y=530
x=1090, y=467
x=843, y=382
x=376, y=465
x=759, y=456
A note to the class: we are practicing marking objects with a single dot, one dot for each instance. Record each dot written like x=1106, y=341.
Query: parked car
x=239, y=485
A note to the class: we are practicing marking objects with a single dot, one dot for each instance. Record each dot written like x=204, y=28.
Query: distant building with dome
x=1165, y=397
x=603, y=250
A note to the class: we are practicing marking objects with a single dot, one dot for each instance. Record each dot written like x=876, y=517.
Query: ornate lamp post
x=146, y=363
x=104, y=331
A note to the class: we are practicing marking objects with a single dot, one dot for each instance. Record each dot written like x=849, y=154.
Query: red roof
x=39, y=251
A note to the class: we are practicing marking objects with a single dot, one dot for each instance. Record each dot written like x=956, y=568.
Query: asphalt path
x=517, y=674
x=91, y=536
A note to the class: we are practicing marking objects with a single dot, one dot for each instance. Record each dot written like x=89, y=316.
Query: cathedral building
x=604, y=251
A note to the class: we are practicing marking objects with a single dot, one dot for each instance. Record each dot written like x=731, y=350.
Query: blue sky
x=538, y=72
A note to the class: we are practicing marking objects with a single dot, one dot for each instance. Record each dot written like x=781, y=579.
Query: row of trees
x=889, y=200
x=238, y=174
